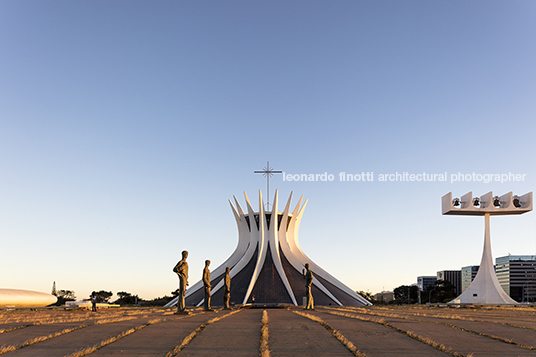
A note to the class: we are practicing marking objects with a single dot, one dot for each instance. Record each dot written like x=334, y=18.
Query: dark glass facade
x=517, y=275
x=468, y=275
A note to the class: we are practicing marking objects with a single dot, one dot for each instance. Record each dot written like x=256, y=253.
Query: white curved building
x=25, y=298
x=266, y=266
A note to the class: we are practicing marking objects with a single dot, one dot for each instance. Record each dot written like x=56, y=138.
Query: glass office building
x=468, y=275
x=517, y=275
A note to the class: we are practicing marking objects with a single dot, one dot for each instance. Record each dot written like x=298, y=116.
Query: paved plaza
x=326, y=331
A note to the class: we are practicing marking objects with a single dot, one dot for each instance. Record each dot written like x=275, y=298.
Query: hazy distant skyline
x=126, y=126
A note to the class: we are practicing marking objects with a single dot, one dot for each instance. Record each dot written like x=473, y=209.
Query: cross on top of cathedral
x=268, y=172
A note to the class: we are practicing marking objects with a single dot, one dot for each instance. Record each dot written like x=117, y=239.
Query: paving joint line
x=437, y=317
x=335, y=333
x=496, y=338
x=88, y=350
x=196, y=332
x=15, y=328
x=10, y=348
x=264, y=347
x=437, y=346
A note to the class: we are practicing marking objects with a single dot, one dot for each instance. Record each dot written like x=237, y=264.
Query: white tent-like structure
x=266, y=266
x=485, y=288
x=25, y=298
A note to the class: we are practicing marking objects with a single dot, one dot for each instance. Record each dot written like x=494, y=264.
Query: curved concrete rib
x=250, y=249
x=263, y=245
x=274, y=248
x=284, y=244
x=239, y=252
x=303, y=258
x=282, y=239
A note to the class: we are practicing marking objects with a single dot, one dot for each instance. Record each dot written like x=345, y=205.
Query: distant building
x=468, y=275
x=423, y=282
x=385, y=296
x=517, y=275
x=452, y=276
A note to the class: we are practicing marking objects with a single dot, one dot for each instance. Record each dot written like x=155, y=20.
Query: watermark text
x=404, y=176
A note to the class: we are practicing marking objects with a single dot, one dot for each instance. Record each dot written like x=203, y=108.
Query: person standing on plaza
x=94, y=302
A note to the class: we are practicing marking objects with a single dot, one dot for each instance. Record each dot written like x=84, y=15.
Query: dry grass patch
x=264, y=350
x=58, y=316
x=48, y=317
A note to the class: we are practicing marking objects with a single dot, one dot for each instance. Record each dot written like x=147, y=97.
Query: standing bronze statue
x=227, y=289
x=208, y=286
x=308, y=276
x=182, y=271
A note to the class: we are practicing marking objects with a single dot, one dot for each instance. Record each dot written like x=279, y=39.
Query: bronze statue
x=206, y=283
x=227, y=289
x=182, y=271
x=308, y=276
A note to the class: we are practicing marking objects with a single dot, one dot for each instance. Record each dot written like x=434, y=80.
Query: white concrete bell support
x=485, y=288
x=479, y=206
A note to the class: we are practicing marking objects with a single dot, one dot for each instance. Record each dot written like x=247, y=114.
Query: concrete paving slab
x=7, y=327
x=155, y=340
x=460, y=341
x=522, y=318
x=19, y=336
x=518, y=335
x=377, y=340
x=77, y=340
x=479, y=319
x=522, y=323
x=290, y=334
x=518, y=319
x=293, y=335
x=500, y=315
x=235, y=336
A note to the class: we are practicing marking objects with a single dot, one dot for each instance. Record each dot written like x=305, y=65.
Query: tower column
x=485, y=288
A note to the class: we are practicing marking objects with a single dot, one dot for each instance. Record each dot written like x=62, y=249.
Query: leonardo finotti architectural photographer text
x=406, y=177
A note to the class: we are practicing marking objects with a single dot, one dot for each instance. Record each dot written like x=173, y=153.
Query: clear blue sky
x=125, y=126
